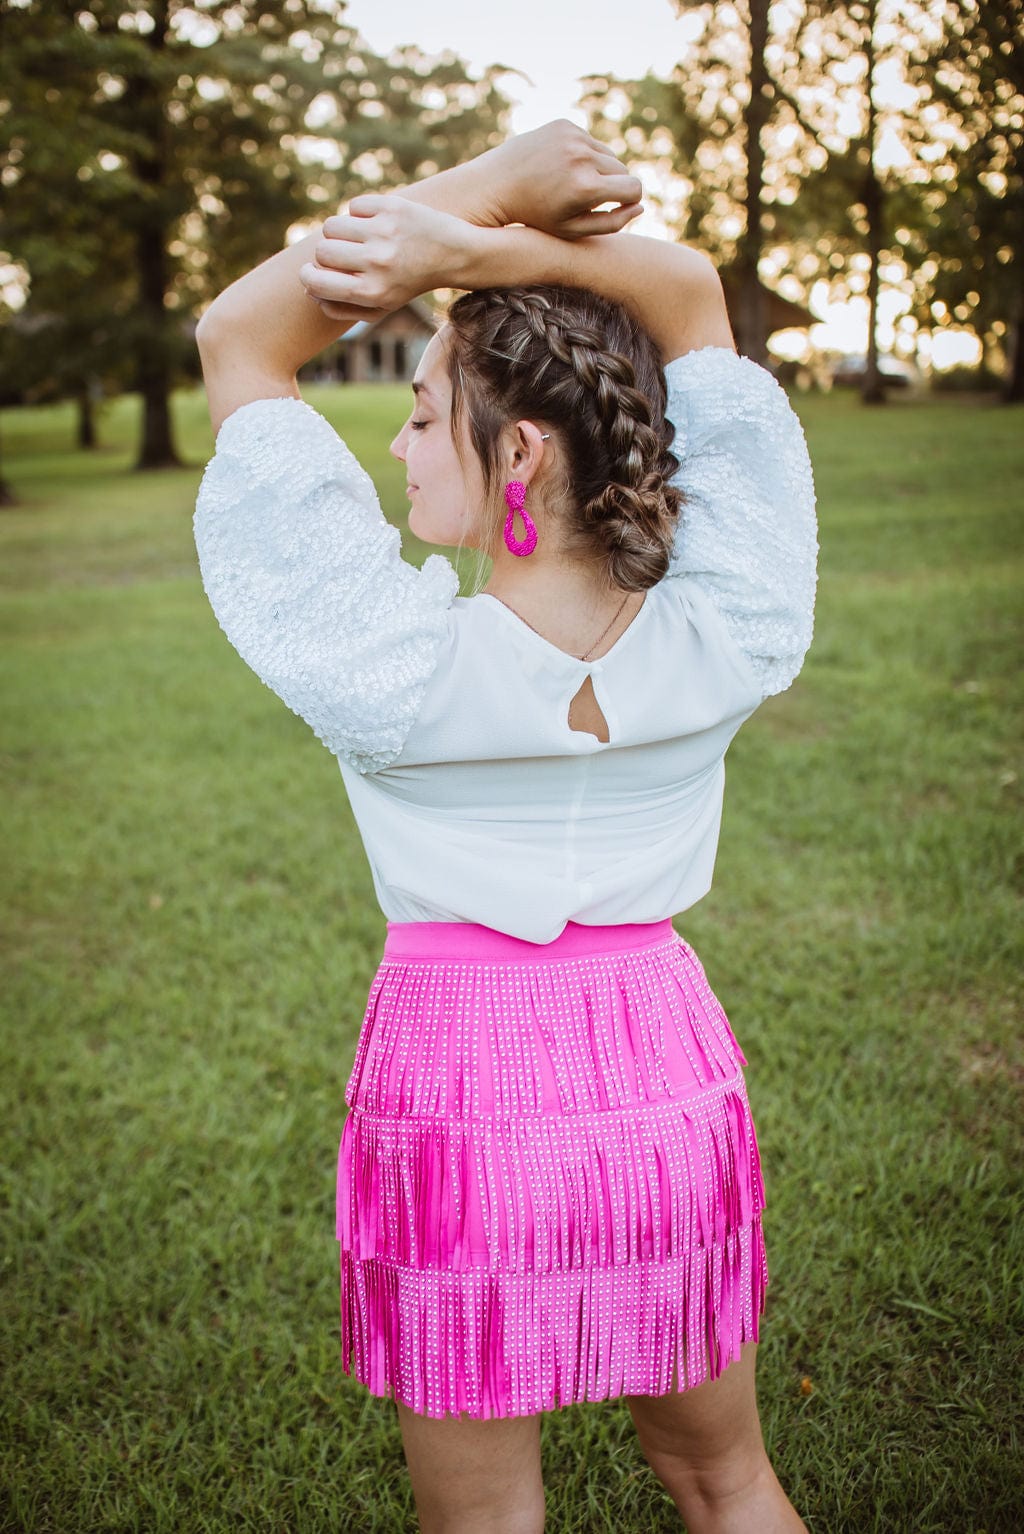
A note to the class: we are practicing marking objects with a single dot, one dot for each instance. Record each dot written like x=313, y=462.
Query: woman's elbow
x=709, y=324
x=212, y=328
x=218, y=325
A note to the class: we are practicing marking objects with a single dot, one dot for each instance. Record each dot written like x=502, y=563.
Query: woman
x=548, y=1185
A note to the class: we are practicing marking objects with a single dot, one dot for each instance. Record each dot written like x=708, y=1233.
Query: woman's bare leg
x=474, y=1477
x=705, y=1447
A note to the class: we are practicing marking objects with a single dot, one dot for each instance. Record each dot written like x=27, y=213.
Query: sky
x=552, y=43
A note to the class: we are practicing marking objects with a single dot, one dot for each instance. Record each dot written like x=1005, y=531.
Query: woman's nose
x=397, y=448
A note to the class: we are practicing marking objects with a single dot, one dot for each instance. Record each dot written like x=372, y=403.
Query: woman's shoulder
x=286, y=441
x=306, y=578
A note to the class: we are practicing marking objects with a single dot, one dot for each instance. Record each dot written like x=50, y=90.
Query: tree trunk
x=873, y=391
x=7, y=495
x=86, y=417
x=1013, y=387
x=752, y=340
x=153, y=370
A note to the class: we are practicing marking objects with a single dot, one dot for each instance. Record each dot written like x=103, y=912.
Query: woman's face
x=446, y=491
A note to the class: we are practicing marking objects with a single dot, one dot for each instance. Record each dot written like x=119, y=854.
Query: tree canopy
x=971, y=248
x=151, y=152
x=792, y=156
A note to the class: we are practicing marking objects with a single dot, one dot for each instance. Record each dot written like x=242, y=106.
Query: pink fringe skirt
x=549, y=1188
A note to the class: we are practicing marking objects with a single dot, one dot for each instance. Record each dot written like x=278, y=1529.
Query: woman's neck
x=567, y=602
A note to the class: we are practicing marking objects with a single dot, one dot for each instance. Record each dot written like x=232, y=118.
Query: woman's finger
x=336, y=287
x=347, y=312
x=596, y=144
x=609, y=164
x=342, y=226
x=368, y=203
x=342, y=255
x=623, y=189
x=610, y=221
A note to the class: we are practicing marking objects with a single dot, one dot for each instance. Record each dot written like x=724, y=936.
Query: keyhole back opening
x=585, y=714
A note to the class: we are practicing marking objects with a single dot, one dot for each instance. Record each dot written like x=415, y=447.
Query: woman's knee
x=706, y=1448
x=710, y=1432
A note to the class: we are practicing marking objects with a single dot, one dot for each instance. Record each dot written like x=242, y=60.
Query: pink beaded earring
x=515, y=500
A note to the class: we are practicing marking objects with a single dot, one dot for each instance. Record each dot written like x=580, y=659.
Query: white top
x=449, y=715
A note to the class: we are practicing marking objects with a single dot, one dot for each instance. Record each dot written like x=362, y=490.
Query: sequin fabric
x=307, y=581
x=549, y=1187
x=747, y=532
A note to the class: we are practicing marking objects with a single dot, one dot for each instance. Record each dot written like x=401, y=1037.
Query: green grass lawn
x=191, y=931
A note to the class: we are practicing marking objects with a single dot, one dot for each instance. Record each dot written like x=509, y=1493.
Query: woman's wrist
x=507, y=257
x=554, y=179
x=466, y=191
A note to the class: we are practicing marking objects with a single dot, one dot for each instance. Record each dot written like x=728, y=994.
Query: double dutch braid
x=581, y=364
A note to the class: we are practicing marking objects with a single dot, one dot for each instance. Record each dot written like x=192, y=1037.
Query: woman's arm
x=555, y=179
x=386, y=249
x=257, y=334
x=672, y=290
x=254, y=338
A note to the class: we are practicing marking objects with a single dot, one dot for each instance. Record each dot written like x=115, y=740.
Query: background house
x=377, y=351
x=780, y=313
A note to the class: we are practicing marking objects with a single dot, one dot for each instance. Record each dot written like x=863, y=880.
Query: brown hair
x=582, y=365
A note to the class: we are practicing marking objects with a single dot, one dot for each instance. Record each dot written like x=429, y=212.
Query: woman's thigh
x=476, y=1474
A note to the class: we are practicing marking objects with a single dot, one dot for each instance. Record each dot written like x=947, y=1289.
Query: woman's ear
x=525, y=450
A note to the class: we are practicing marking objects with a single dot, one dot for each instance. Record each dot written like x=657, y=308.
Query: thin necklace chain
x=587, y=653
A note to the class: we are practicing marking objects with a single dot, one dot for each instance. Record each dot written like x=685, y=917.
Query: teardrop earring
x=515, y=500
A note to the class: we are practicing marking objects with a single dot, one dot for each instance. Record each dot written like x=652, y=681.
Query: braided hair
x=583, y=366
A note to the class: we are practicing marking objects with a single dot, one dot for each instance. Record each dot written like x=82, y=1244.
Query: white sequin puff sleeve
x=747, y=532
x=307, y=580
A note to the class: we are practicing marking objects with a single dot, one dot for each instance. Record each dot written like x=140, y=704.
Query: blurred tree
x=709, y=118
x=774, y=120
x=873, y=391
x=849, y=188
x=151, y=152
x=736, y=119
x=65, y=341
x=7, y=495
x=69, y=341
x=973, y=237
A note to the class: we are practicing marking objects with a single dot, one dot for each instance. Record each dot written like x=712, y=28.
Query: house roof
x=364, y=328
x=782, y=313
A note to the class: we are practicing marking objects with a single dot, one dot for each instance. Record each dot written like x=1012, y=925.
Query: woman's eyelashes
x=418, y=425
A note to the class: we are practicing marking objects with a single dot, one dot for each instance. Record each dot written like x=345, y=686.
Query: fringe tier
x=549, y=1187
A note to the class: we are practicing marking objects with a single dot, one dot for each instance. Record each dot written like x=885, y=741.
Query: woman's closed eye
x=418, y=425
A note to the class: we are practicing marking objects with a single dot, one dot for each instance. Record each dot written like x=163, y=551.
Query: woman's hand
x=389, y=248
x=384, y=251
x=554, y=178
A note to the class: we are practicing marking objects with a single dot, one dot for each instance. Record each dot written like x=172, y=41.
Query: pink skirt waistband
x=468, y=941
